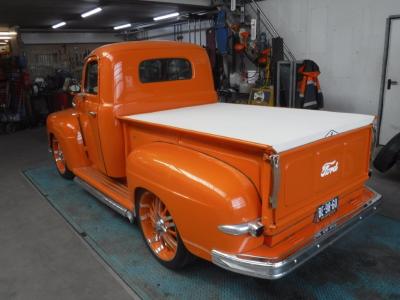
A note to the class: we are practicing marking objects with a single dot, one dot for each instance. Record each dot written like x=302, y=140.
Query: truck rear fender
x=64, y=126
x=201, y=193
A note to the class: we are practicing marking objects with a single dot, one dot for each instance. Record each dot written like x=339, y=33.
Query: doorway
x=389, y=112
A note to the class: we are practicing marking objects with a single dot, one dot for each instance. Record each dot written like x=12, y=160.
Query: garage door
x=390, y=124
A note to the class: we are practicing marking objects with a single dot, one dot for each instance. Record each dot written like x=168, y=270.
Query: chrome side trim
x=254, y=228
x=104, y=199
x=263, y=267
x=276, y=175
x=373, y=143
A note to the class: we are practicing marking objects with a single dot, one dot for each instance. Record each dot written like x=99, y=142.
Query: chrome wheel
x=158, y=227
x=59, y=159
x=58, y=156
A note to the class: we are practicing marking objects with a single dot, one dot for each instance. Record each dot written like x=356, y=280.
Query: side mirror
x=74, y=89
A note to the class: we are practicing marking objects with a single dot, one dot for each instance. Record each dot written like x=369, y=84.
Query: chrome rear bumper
x=262, y=267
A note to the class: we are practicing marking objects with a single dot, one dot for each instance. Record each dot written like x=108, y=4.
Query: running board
x=104, y=199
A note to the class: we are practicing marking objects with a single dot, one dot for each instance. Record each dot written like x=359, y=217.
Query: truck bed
x=281, y=128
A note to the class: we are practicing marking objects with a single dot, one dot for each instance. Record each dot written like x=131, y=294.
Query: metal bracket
x=276, y=176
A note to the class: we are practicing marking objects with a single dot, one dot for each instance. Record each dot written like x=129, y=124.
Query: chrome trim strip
x=373, y=143
x=263, y=267
x=104, y=199
x=276, y=175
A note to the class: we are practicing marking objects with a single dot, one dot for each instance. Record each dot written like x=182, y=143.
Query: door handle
x=390, y=83
x=92, y=113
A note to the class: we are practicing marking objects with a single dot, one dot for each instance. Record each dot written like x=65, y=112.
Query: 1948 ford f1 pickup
x=256, y=190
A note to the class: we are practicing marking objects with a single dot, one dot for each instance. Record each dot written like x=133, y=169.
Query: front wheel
x=59, y=160
x=160, y=232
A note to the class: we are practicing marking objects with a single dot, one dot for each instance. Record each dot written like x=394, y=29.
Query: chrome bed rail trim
x=276, y=176
x=263, y=267
x=104, y=199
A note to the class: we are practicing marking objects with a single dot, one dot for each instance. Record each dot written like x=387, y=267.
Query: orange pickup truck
x=256, y=190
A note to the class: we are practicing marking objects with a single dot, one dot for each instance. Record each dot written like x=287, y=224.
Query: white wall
x=345, y=37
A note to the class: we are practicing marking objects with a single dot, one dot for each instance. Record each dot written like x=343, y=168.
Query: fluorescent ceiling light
x=8, y=33
x=3, y=43
x=58, y=25
x=91, y=12
x=4, y=38
x=122, y=26
x=175, y=14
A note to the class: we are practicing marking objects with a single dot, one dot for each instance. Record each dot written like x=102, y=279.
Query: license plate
x=327, y=209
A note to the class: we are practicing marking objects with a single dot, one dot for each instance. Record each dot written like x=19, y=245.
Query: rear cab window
x=165, y=69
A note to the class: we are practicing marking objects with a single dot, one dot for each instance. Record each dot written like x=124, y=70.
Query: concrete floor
x=41, y=257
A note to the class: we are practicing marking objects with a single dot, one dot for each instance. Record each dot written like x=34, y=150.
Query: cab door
x=88, y=107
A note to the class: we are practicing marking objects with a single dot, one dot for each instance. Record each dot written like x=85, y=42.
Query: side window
x=91, y=78
x=156, y=70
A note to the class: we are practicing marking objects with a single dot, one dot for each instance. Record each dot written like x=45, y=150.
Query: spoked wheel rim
x=58, y=156
x=158, y=227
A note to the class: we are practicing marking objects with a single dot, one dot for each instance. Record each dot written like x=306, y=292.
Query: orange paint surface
x=204, y=181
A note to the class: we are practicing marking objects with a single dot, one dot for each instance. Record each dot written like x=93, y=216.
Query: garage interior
x=58, y=242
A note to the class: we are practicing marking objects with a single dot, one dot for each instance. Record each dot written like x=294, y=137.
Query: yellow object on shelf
x=262, y=96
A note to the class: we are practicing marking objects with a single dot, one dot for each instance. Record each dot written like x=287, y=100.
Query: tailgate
x=315, y=173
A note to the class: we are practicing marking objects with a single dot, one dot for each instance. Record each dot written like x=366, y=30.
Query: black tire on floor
x=388, y=155
x=11, y=128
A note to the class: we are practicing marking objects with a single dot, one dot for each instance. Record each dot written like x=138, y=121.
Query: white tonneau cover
x=281, y=128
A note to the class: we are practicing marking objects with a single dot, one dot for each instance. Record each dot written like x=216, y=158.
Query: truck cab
x=256, y=190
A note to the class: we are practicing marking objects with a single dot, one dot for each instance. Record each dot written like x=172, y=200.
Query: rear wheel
x=388, y=155
x=160, y=232
x=59, y=160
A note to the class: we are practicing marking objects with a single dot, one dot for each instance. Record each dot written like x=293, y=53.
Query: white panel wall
x=345, y=37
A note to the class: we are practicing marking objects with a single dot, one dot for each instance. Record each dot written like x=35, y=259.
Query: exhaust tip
x=256, y=229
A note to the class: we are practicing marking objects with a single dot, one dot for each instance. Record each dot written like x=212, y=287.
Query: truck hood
x=280, y=128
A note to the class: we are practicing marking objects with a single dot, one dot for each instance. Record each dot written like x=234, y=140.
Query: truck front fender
x=201, y=193
x=65, y=127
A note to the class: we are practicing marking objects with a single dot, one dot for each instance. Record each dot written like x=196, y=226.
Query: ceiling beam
x=204, y=3
x=66, y=30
